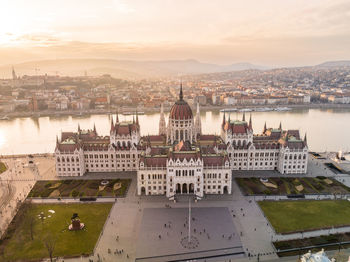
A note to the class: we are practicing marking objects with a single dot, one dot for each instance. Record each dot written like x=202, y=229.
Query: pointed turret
x=117, y=119
x=280, y=127
x=229, y=118
x=14, y=76
x=137, y=118
x=79, y=128
x=265, y=127
x=95, y=128
x=133, y=119
x=243, y=118
x=198, y=123
x=224, y=119
x=57, y=140
x=250, y=122
x=181, y=97
x=112, y=124
x=305, y=139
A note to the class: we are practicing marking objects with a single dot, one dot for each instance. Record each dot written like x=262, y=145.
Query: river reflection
x=327, y=129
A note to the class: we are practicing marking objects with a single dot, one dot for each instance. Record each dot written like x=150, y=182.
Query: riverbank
x=130, y=110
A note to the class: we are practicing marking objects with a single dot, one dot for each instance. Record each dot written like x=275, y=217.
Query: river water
x=327, y=129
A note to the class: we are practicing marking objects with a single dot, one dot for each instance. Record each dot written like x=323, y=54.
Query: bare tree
x=31, y=222
x=50, y=244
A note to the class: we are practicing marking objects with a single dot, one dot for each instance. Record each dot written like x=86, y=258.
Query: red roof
x=214, y=160
x=180, y=111
x=154, y=161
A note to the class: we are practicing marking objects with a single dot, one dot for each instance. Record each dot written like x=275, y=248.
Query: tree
x=31, y=222
x=50, y=244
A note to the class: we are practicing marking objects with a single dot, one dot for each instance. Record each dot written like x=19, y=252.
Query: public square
x=120, y=239
x=164, y=234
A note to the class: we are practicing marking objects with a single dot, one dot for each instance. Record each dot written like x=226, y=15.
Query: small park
x=41, y=231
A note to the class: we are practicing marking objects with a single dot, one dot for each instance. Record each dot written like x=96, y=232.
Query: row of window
x=298, y=166
x=266, y=154
x=67, y=159
x=68, y=169
x=111, y=156
x=256, y=163
x=106, y=165
x=184, y=172
x=296, y=156
x=154, y=176
x=214, y=176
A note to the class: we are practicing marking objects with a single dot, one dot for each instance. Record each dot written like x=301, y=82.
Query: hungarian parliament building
x=180, y=159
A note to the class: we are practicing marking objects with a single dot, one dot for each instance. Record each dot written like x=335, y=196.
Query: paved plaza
x=135, y=223
x=163, y=234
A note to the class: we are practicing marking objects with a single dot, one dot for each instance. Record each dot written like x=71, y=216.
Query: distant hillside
x=341, y=63
x=122, y=68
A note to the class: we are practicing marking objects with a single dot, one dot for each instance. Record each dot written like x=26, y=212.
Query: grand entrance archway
x=178, y=189
x=191, y=188
x=184, y=189
x=143, y=191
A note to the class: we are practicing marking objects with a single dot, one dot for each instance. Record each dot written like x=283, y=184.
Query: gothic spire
x=94, y=127
x=243, y=118
x=224, y=119
x=162, y=124
x=79, y=127
x=181, y=97
x=305, y=139
x=117, y=119
x=250, y=121
x=280, y=126
x=265, y=127
x=133, y=119
x=112, y=124
x=137, y=118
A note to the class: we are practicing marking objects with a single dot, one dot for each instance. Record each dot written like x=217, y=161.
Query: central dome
x=181, y=110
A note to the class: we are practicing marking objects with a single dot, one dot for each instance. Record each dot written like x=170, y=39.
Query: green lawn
x=80, y=188
x=289, y=185
x=291, y=216
x=2, y=167
x=18, y=244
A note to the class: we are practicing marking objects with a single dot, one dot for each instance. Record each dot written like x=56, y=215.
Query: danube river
x=327, y=129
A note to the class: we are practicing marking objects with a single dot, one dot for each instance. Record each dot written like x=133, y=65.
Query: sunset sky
x=271, y=32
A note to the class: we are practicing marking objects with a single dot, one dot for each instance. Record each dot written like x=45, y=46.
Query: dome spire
x=181, y=94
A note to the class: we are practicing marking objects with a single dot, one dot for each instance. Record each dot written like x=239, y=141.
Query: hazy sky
x=267, y=32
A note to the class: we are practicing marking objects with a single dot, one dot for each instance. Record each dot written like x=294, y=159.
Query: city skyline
x=270, y=33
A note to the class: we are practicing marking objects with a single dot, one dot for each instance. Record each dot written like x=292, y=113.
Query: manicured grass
x=18, y=245
x=301, y=215
x=295, y=185
x=79, y=188
x=305, y=243
x=2, y=167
